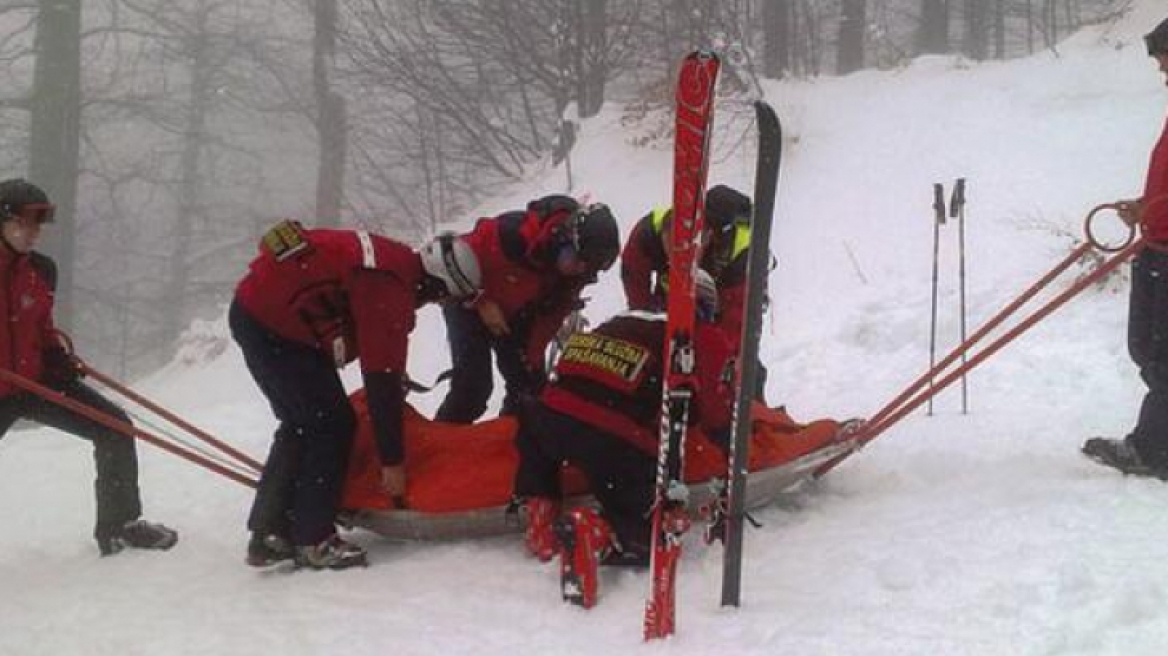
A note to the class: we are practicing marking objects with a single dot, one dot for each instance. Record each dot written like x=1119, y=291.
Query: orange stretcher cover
x=453, y=468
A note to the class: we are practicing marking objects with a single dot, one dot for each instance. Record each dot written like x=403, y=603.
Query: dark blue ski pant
x=115, y=455
x=472, y=382
x=300, y=490
x=621, y=476
x=1148, y=346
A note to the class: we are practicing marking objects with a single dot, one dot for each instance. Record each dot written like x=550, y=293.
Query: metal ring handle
x=1088, y=229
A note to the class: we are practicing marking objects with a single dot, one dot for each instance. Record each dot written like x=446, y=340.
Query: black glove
x=60, y=367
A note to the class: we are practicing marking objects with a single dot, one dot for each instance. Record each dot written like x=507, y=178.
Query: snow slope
x=984, y=533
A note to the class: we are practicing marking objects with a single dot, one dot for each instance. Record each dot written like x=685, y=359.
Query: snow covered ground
x=984, y=533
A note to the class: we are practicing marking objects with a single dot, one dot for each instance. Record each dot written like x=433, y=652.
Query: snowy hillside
x=984, y=533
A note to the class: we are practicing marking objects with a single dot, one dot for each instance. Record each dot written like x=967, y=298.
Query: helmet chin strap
x=430, y=289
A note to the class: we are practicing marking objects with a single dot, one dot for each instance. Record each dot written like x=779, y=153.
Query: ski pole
x=121, y=427
x=979, y=334
x=938, y=219
x=873, y=430
x=1010, y=308
x=896, y=409
x=169, y=416
x=957, y=211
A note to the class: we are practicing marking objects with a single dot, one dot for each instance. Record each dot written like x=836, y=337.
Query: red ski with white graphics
x=695, y=111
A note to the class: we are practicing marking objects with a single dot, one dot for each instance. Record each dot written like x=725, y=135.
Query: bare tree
x=475, y=88
x=192, y=80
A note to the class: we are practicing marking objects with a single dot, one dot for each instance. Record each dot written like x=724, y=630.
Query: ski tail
x=695, y=104
x=770, y=142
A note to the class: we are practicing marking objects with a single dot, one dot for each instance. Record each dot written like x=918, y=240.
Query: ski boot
x=267, y=549
x=1121, y=455
x=332, y=553
x=585, y=539
x=539, y=536
x=136, y=533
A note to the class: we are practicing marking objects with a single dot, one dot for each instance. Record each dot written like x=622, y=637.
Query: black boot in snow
x=333, y=553
x=267, y=549
x=1119, y=454
x=138, y=534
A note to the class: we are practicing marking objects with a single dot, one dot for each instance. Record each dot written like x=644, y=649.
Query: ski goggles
x=38, y=212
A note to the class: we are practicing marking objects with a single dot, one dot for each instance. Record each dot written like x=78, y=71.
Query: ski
x=770, y=143
x=695, y=108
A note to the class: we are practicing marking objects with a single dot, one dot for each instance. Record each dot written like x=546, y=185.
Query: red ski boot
x=539, y=537
x=585, y=539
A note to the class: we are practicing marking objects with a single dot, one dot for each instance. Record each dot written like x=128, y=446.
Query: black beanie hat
x=18, y=192
x=1157, y=40
x=726, y=205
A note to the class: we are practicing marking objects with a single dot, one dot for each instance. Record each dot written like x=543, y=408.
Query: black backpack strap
x=45, y=267
x=513, y=244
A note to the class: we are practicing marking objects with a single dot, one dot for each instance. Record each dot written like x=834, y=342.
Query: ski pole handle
x=957, y=200
x=938, y=202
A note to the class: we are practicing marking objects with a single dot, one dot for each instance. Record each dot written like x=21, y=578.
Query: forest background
x=170, y=133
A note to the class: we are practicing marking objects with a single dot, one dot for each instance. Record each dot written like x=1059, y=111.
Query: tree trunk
x=331, y=118
x=1030, y=27
x=776, y=26
x=853, y=20
x=591, y=26
x=1000, y=29
x=933, y=33
x=55, y=135
x=977, y=29
x=190, y=190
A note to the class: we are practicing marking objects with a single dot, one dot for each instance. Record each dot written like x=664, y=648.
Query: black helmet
x=1157, y=40
x=17, y=194
x=726, y=206
x=595, y=236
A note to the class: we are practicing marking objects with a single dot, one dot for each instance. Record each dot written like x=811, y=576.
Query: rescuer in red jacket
x=31, y=347
x=645, y=257
x=312, y=302
x=1144, y=451
x=535, y=263
x=601, y=413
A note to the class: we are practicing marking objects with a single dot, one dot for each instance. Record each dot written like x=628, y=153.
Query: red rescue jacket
x=611, y=378
x=26, y=305
x=1155, y=199
x=352, y=295
x=516, y=253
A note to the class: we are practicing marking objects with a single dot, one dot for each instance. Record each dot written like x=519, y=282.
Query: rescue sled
x=460, y=476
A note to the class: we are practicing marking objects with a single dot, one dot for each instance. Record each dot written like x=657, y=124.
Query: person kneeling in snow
x=600, y=414
x=1144, y=452
x=312, y=302
x=33, y=348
